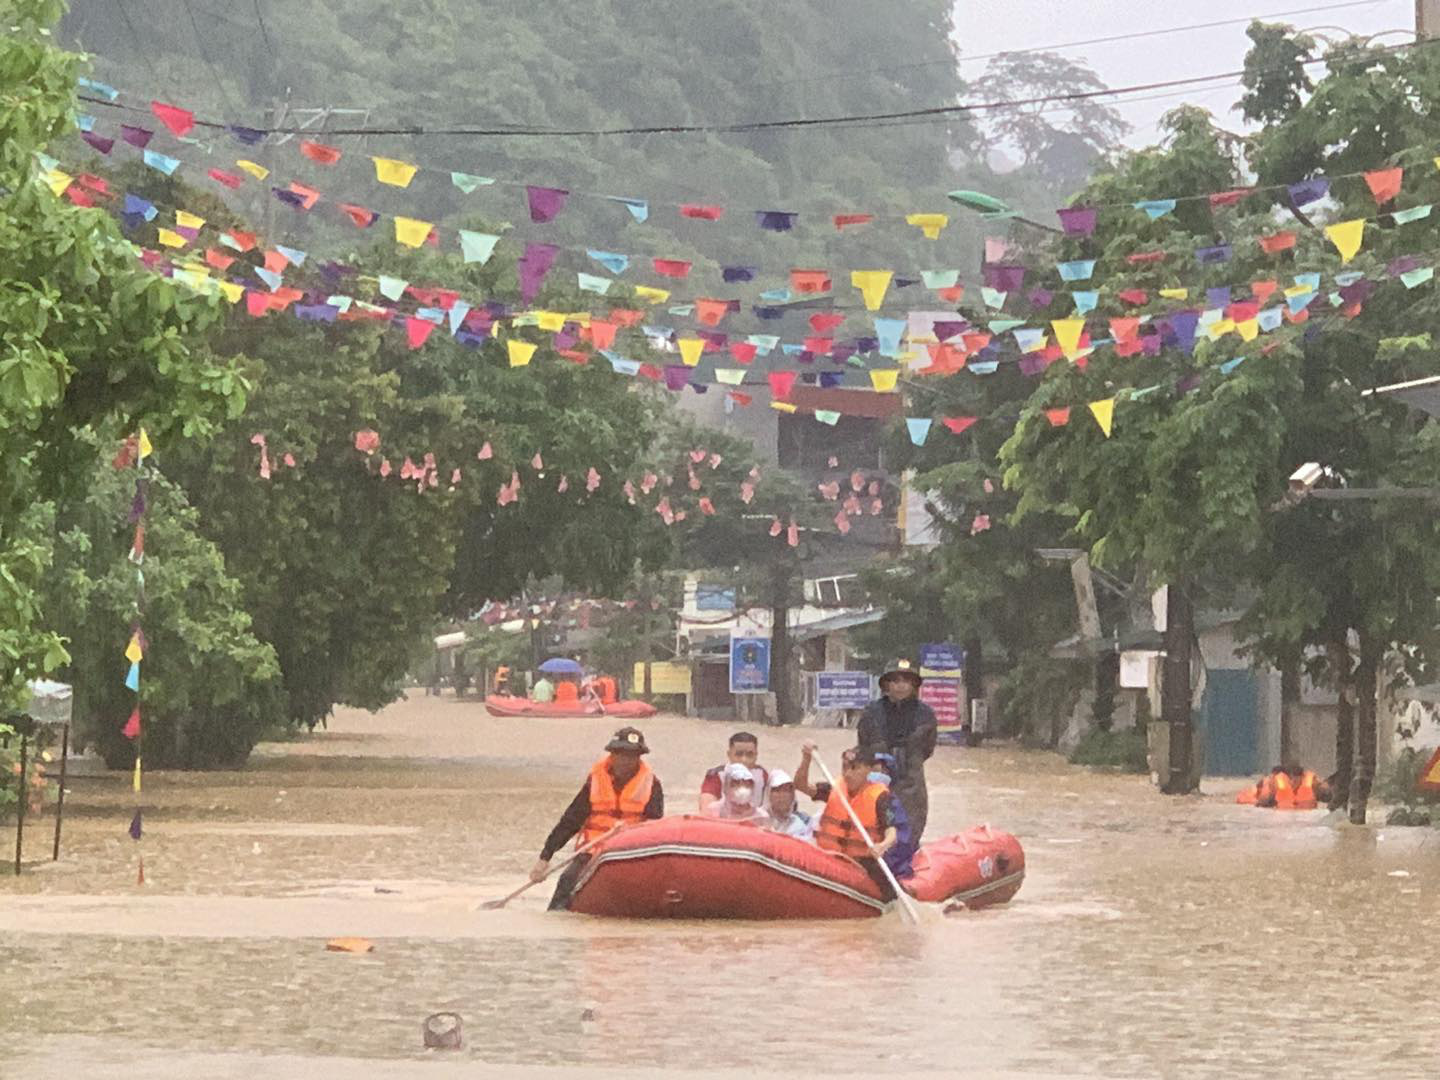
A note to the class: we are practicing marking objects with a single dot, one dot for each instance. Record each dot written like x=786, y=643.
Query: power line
x=264, y=30
x=1137, y=35
x=205, y=55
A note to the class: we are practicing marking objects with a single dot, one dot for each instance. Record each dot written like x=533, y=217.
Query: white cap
x=779, y=778
x=736, y=771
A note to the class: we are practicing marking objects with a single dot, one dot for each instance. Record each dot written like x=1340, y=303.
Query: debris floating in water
x=350, y=945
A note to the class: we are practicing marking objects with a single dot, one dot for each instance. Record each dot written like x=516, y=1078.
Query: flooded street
x=1153, y=936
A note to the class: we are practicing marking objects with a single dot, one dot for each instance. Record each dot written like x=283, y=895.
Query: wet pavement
x=1153, y=937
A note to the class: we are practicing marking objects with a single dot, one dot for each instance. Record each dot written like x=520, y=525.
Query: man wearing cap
x=785, y=815
x=903, y=726
x=620, y=789
x=738, y=797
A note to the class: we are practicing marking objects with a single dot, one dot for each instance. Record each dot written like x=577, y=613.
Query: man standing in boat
x=903, y=726
x=620, y=789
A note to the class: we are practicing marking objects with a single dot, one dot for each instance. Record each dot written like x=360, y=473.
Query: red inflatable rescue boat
x=504, y=705
x=702, y=868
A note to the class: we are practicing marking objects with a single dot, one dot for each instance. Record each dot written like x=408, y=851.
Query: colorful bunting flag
x=930, y=225
x=412, y=232
x=1347, y=237
x=1104, y=413
x=918, y=428
x=477, y=247
x=884, y=379
x=545, y=202
x=520, y=352
x=320, y=153
x=702, y=213
x=1384, y=184
x=872, y=285
x=393, y=172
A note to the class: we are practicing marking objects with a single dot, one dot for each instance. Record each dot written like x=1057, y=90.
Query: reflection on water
x=1153, y=937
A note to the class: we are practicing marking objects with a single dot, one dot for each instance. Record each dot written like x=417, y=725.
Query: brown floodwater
x=1153, y=937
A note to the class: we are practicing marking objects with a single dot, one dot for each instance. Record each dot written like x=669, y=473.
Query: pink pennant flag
x=564, y=485
x=289, y=460
x=454, y=477
x=776, y=528
x=747, y=492
x=367, y=441
x=697, y=456
x=629, y=490
x=715, y=460
x=742, y=351
x=131, y=730
x=230, y=180
x=706, y=506
x=178, y=120
x=694, y=481
x=537, y=462
x=842, y=522
x=648, y=482
x=417, y=331
x=545, y=202
x=385, y=467
x=792, y=534
x=592, y=479
x=486, y=452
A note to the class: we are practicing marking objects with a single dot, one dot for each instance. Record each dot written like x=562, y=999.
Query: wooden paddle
x=907, y=906
x=493, y=905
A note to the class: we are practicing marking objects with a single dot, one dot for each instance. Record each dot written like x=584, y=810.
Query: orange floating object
x=350, y=945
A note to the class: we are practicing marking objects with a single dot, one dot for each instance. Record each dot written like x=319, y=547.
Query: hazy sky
x=987, y=26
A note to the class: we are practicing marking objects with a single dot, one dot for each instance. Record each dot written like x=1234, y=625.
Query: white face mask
x=742, y=795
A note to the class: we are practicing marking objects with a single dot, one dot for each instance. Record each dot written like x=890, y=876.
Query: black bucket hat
x=628, y=740
x=901, y=669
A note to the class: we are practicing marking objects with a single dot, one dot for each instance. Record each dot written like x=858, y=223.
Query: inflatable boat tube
x=504, y=705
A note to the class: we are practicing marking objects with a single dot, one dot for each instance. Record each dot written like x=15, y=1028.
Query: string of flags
x=133, y=454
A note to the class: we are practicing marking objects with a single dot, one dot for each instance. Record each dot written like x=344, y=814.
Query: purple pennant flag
x=137, y=504
x=676, y=376
x=189, y=233
x=1403, y=265
x=336, y=272
x=805, y=356
x=767, y=312
x=905, y=282
x=533, y=266
x=99, y=142
x=289, y=198
x=946, y=329
x=840, y=353
x=1077, y=220
x=465, y=337
x=1209, y=255
x=1041, y=297
x=247, y=135
x=866, y=344
x=1186, y=383
x=135, y=826
x=1308, y=191
x=713, y=339
x=1182, y=325
x=1032, y=364
x=699, y=388
x=775, y=220
x=566, y=338
x=1357, y=292
x=316, y=312
x=1004, y=278
x=1150, y=344
x=545, y=202
x=1217, y=297
x=137, y=137
x=738, y=273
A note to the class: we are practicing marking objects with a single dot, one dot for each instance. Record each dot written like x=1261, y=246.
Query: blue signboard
x=714, y=598
x=842, y=689
x=749, y=665
x=941, y=657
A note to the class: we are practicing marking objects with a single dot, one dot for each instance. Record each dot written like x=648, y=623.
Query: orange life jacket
x=567, y=691
x=838, y=833
x=1292, y=796
x=502, y=676
x=609, y=692
x=607, y=807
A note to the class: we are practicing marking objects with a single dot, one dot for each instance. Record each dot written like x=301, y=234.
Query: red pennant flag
x=706, y=506
x=954, y=294
x=362, y=217
x=308, y=195
x=219, y=260
x=78, y=197
x=1058, y=417
x=674, y=268
x=810, y=281
x=1134, y=297
x=1384, y=184
x=256, y=303
x=1242, y=311
x=575, y=356
x=1278, y=242
x=96, y=184
x=702, y=213
x=819, y=346
x=739, y=398
x=1261, y=290
x=1123, y=330
x=276, y=262
x=602, y=334
x=626, y=316
x=958, y=424
x=178, y=120
x=822, y=322
x=1296, y=316
x=651, y=371
x=417, y=331
x=1145, y=258
x=1129, y=348
x=1227, y=198
x=284, y=296
x=743, y=351
x=325, y=155
x=230, y=180
x=131, y=730
x=244, y=241
x=781, y=383
x=710, y=312
x=844, y=220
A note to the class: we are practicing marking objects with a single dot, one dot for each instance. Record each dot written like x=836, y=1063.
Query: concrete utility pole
x=1427, y=18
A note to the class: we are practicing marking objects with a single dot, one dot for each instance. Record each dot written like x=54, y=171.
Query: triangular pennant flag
x=1277, y=242
x=417, y=331
x=520, y=352
x=675, y=268
x=872, y=285
x=929, y=224
x=1415, y=213
x=593, y=283
x=827, y=416
x=467, y=183
x=545, y=202
x=1058, y=417
x=161, y=162
x=710, y=312
x=1104, y=412
x=1347, y=237
x=884, y=379
x=359, y=215
x=132, y=677
x=1156, y=208
x=612, y=261
x=393, y=172
x=477, y=247
x=178, y=120
x=392, y=288
x=781, y=383
x=131, y=730
x=730, y=376
x=959, y=424
x=702, y=213
x=1076, y=269
x=1067, y=334
x=690, y=350
x=318, y=152
x=919, y=429
x=412, y=232
x=1384, y=184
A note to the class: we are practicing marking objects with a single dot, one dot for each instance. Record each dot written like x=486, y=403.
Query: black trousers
x=566, y=885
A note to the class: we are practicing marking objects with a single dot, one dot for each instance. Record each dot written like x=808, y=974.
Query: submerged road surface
x=1154, y=937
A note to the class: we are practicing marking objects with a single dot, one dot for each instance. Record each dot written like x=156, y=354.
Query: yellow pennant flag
x=872, y=285
x=1347, y=237
x=169, y=237
x=1220, y=327
x=142, y=444
x=1248, y=330
x=652, y=295
x=1067, y=334
x=1174, y=294
x=187, y=220
x=884, y=378
x=690, y=350
x=392, y=172
x=929, y=224
x=410, y=232
x=550, y=321
x=135, y=782
x=520, y=352
x=58, y=181
x=255, y=170
x=133, y=652
x=1104, y=414
x=232, y=290
x=783, y=406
